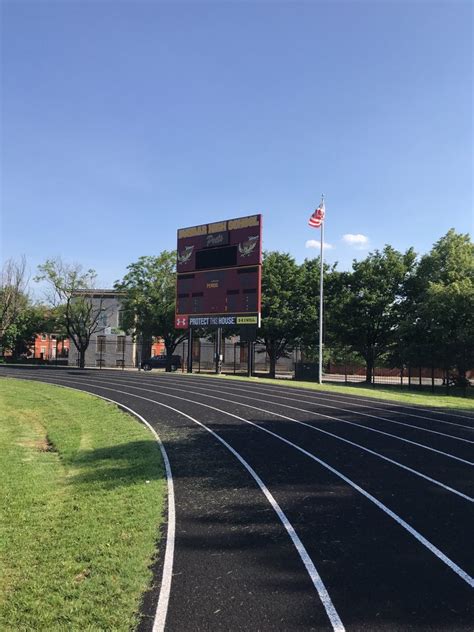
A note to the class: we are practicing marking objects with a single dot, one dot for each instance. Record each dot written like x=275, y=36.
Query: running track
x=298, y=510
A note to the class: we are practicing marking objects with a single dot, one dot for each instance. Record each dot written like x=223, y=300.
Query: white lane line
x=431, y=547
x=333, y=398
x=326, y=432
x=165, y=589
x=346, y=410
x=344, y=421
x=316, y=579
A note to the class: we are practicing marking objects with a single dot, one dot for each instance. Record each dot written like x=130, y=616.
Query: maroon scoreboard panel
x=219, y=269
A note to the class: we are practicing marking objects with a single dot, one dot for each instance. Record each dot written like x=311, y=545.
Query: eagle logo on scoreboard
x=185, y=256
x=247, y=247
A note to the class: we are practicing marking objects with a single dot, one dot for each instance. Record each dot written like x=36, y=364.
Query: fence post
x=124, y=341
x=419, y=376
x=432, y=378
x=345, y=370
x=235, y=348
x=401, y=377
x=409, y=376
x=100, y=354
x=447, y=381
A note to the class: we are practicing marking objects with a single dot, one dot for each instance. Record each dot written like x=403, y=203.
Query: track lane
x=446, y=446
x=370, y=437
x=423, y=514
x=369, y=412
x=370, y=568
x=417, y=411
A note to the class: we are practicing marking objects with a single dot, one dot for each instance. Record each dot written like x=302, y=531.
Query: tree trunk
x=82, y=358
x=147, y=342
x=369, y=368
x=169, y=355
x=272, y=358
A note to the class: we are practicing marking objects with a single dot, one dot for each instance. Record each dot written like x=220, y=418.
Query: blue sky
x=123, y=121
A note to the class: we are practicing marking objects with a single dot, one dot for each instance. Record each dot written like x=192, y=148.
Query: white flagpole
x=321, y=305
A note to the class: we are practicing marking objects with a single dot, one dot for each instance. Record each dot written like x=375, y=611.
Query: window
x=44, y=337
x=120, y=344
x=100, y=348
x=121, y=316
x=100, y=362
x=43, y=351
x=119, y=364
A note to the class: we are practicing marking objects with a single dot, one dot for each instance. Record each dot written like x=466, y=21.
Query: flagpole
x=321, y=305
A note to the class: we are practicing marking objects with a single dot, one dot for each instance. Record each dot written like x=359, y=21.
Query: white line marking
x=315, y=428
x=318, y=583
x=346, y=410
x=270, y=390
x=343, y=421
x=431, y=547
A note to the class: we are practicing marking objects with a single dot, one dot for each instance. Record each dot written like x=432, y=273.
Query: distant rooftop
x=99, y=293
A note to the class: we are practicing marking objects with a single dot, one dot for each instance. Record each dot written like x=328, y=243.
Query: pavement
x=300, y=510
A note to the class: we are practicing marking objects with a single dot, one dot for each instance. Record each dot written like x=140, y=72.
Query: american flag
x=317, y=217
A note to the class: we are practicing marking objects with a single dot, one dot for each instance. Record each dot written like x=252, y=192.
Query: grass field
x=82, y=499
x=455, y=400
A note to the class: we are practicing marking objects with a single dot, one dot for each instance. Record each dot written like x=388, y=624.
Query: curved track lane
x=378, y=495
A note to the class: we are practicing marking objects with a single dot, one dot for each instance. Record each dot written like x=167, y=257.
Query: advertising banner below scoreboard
x=216, y=320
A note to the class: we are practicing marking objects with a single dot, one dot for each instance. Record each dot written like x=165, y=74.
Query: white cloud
x=314, y=243
x=358, y=240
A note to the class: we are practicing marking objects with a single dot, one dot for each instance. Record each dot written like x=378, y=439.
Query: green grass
x=82, y=498
x=389, y=393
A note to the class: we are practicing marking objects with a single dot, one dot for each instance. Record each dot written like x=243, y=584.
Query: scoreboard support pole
x=219, y=351
x=249, y=359
x=190, y=350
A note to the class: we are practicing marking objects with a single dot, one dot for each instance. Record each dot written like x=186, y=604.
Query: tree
x=72, y=294
x=13, y=298
x=280, y=287
x=439, y=315
x=32, y=319
x=149, y=303
x=367, y=316
x=308, y=304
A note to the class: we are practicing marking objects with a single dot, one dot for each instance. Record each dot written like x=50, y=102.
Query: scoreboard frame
x=219, y=274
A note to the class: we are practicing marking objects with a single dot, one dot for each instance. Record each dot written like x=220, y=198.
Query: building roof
x=100, y=293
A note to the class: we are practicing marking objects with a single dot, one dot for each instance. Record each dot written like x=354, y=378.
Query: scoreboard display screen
x=219, y=273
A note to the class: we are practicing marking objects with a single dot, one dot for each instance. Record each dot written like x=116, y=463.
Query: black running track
x=378, y=499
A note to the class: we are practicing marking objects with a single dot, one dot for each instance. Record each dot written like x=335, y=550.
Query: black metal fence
x=421, y=368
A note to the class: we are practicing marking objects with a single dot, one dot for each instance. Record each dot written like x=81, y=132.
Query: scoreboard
x=219, y=268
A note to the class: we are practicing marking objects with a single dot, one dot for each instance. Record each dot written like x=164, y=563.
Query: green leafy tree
x=439, y=312
x=71, y=292
x=13, y=299
x=33, y=319
x=366, y=319
x=149, y=301
x=308, y=312
x=280, y=288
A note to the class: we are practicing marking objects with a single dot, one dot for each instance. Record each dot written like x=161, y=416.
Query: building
x=110, y=346
x=49, y=347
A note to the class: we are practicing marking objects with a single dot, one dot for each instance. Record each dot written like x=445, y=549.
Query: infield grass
x=455, y=400
x=82, y=499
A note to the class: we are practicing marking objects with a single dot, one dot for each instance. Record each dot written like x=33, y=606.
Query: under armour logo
x=181, y=322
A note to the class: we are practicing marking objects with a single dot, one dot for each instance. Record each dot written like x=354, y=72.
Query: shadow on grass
x=125, y=464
